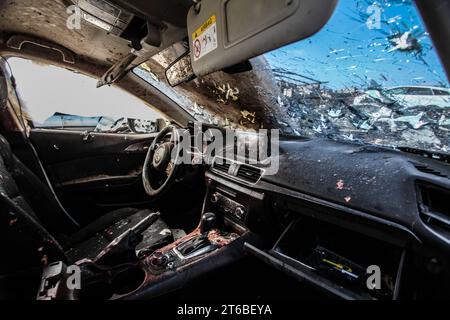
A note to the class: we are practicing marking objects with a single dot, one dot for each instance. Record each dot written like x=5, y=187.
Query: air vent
x=222, y=167
x=428, y=170
x=248, y=173
x=434, y=209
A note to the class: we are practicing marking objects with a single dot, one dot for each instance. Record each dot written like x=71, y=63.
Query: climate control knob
x=215, y=198
x=239, y=213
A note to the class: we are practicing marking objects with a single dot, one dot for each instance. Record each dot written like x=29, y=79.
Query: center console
x=213, y=244
x=205, y=240
x=237, y=205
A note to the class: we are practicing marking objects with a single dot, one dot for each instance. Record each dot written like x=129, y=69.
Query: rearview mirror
x=226, y=32
x=180, y=71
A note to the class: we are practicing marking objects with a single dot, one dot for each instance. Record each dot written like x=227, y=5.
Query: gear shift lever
x=208, y=222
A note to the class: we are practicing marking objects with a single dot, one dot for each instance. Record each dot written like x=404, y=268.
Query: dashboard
x=336, y=214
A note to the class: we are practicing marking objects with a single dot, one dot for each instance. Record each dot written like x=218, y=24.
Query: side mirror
x=180, y=71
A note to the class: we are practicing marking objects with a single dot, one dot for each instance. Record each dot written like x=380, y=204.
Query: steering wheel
x=161, y=164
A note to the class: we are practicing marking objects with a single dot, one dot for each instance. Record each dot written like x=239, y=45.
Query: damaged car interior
x=96, y=96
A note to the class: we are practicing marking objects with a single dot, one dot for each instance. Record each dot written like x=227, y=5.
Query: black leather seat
x=35, y=229
x=90, y=241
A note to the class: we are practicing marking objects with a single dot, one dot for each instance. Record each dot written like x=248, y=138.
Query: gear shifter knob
x=209, y=222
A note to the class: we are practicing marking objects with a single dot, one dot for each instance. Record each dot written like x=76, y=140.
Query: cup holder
x=100, y=291
x=128, y=281
x=124, y=282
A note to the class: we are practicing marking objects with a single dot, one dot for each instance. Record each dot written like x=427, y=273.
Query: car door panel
x=95, y=175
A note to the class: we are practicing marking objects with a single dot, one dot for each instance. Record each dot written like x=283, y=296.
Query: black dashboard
x=335, y=211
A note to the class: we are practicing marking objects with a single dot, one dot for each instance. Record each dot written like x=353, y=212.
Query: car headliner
x=47, y=19
x=94, y=49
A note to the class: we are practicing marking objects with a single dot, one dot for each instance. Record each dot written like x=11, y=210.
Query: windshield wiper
x=440, y=156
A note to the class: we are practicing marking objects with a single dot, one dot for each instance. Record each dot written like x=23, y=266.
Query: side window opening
x=420, y=92
x=441, y=92
x=397, y=91
x=59, y=99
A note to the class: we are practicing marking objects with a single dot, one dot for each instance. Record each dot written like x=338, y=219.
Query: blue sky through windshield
x=347, y=53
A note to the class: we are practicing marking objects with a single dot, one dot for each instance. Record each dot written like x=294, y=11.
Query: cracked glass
x=371, y=76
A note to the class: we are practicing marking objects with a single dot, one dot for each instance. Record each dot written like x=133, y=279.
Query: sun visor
x=223, y=33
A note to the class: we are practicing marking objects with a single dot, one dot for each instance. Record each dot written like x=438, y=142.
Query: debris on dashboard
x=225, y=93
x=340, y=185
x=250, y=116
x=198, y=110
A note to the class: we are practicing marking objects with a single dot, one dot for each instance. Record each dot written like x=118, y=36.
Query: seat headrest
x=3, y=92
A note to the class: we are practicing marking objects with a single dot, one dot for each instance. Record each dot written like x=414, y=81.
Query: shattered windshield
x=371, y=75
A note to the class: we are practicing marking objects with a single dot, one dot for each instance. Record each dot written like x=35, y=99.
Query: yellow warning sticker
x=204, y=26
x=204, y=39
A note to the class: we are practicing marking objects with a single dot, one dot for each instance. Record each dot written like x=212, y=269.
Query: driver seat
x=32, y=208
x=90, y=241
